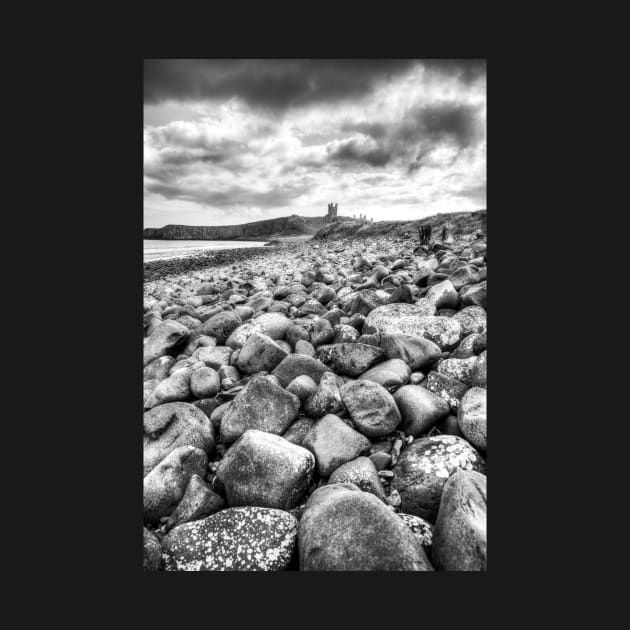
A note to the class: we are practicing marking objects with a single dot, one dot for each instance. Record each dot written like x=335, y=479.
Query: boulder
x=302, y=387
x=334, y=443
x=420, y=409
x=152, y=552
x=298, y=365
x=259, y=353
x=460, y=533
x=390, y=374
x=344, y=529
x=471, y=417
x=198, y=502
x=236, y=539
x=265, y=470
x=362, y=473
x=165, y=337
x=352, y=359
x=424, y=467
x=262, y=405
x=327, y=398
x=371, y=407
x=171, y=426
x=204, y=383
x=164, y=486
x=416, y=352
x=221, y=325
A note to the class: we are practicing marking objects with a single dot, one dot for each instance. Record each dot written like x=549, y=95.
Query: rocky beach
x=320, y=404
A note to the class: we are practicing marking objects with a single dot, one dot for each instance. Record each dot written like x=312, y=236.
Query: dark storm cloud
x=281, y=83
x=352, y=151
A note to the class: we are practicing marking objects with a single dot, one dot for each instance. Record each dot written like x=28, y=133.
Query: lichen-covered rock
x=424, y=467
x=344, y=529
x=334, y=443
x=472, y=319
x=236, y=539
x=297, y=365
x=371, y=407
x=419, y=408
x=164, y=486
x=446, y=387
x=362, y=473
x=417, y=352
x=259, y=353
x=265, y=470
x=390, y=374
x=459, y=369
x=471, y=417
x=171, y=426
x=262, y=405
x=398, y=318
x=152, y=552
x=460, y=533
x=352, y=359
x=422, y=529
x=164, y=338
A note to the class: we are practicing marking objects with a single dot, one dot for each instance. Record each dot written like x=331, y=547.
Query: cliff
x=284, y=226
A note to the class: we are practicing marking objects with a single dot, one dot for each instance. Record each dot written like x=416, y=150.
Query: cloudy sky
x=228, y=142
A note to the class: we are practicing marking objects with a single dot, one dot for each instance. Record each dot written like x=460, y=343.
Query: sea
x=158, y=249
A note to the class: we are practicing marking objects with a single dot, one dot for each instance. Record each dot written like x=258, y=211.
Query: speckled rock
x=172, y=425
x=362, y=473
x=371, y=407
x=422, y=529
x=390, y=374
x=236, y=539
x=416, y=352
x=327, y=398
x=398, y=318
x=262, y=405
x=345, y=334
x=297, y=365
x=166, y=336
x=352, y=359
x=265, y=470
x=259, y=352
x=471, y=417
x=152, y=552
x=221, y=325
x=424, y=467
x=419, y=408
x=472, y=319
x=164, y=486
x=344, y=529
x=460, y=534
x=459, y=369
x=446, y=387
x=198, y=502
x=334, y=443
x=466, y=347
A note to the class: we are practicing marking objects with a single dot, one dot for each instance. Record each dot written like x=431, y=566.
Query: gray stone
x=265, y=470
x=352, y=359
x=152, y=552
x=420, y=409
x=259, y=353
x=416, y=352
x=362, y=473
x=371, y=407
x=390, y=374
x=327, y=398
x=204, y=383
x=297, y=365
x=302, y=387
x=472, y=417
x=221, y=325
x=166, y=336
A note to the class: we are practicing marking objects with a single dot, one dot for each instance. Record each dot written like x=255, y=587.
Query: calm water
x=154, y=249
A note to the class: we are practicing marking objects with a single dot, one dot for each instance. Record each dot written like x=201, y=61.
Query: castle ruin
x=331, y=217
